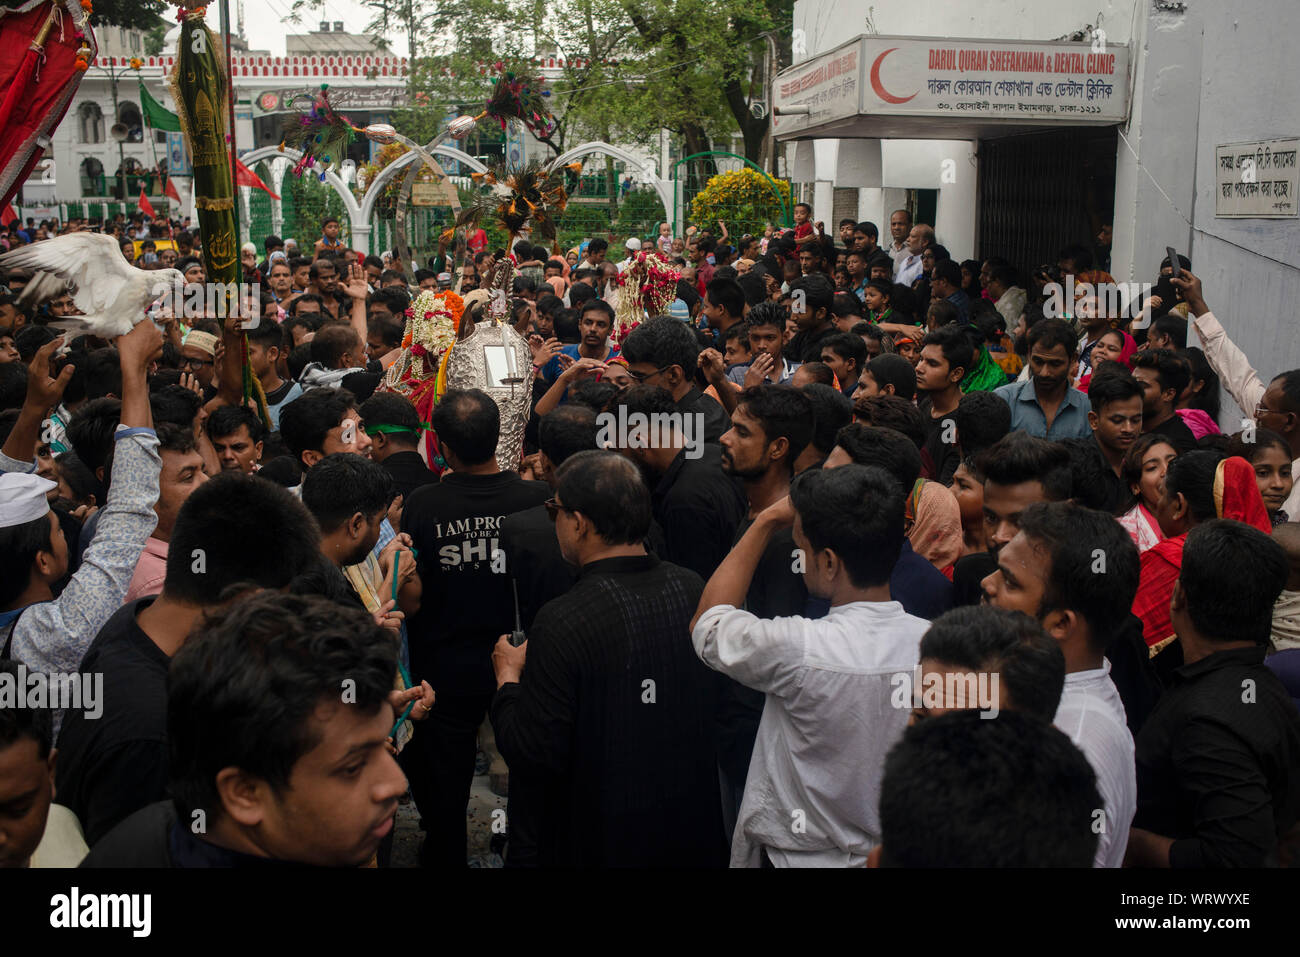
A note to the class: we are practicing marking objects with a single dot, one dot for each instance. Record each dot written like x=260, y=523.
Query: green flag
x=157, y=116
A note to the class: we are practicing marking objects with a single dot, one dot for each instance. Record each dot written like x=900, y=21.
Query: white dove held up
x=111, y=293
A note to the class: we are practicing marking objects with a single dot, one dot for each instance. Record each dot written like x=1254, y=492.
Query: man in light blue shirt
x=1045, y=405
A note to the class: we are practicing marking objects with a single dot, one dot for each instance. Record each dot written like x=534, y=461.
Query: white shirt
x=813, y=789
x=1092, y=714
x=898, y=252
x=62, y=844
x=908, y=269
x=1010, y=305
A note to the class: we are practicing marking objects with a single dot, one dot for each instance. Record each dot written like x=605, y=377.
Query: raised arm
x=1239, y=378
x=44, y=392
x=54, y=635
x=715, y=370
x=357, y=289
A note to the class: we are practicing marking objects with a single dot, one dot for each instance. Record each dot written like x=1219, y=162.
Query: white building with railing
x=104, y=140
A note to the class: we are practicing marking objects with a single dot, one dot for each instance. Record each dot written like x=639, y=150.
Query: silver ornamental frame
x=467, y=368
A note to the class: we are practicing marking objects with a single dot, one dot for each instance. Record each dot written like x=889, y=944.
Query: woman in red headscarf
x=1198, y=486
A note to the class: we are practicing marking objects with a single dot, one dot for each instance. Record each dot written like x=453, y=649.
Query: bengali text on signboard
x=1256, y=180
x=1053, y=82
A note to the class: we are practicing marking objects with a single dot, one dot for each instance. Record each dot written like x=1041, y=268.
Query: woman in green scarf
x=986, y=375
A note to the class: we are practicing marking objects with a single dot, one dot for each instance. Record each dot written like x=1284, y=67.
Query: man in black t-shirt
x=466, y=604
x=1116, y=420
x=113, y=764
x=537, y=567
x=1164, y=376
x=269, y=765
x=811, y=297
x=698, y=508
x=664, y=352
x=770, y=427
x=394, y=429
x=945, y=359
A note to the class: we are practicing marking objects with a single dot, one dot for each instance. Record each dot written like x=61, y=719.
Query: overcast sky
x=266, y=23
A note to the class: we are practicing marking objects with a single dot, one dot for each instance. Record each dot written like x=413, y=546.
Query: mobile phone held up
x=1173, y=262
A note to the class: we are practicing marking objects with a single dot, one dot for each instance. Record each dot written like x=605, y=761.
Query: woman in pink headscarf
x=1114, y=345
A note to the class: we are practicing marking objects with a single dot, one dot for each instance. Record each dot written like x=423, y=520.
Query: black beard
x=745, y=475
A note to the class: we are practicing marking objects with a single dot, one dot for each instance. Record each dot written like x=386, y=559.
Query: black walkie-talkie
x=517, y=637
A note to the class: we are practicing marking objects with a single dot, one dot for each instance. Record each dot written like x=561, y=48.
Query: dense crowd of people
x=958, y=573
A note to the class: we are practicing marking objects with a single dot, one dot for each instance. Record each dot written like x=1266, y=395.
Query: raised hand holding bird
x=112, y=294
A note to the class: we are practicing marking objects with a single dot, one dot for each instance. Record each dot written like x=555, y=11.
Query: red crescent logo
x=879, y=87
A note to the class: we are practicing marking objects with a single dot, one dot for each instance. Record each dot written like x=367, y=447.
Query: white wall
x=1249, y=90
x=67, y=149
x=826, y=24
x=1155, y=166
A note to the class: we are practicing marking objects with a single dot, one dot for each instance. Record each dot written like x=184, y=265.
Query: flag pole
x=230, y=99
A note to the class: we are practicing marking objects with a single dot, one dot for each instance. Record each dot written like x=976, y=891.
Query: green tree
x=131, y=14
x=632, y=67
x=155, y=38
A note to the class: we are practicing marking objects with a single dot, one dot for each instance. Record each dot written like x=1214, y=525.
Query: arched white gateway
x=376, y=186
x=662, y=187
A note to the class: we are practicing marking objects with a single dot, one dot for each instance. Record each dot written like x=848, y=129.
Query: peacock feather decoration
x=521, y=98
x=321, y=134
x=533, y=192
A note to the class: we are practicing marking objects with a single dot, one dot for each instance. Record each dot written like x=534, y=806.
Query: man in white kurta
x=830, y=715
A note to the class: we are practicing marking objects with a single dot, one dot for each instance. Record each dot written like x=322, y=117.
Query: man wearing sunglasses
x=664, y=352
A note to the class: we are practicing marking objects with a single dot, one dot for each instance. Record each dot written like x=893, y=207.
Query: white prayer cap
x=22, y=498
x=203, y=341
x=633, y=244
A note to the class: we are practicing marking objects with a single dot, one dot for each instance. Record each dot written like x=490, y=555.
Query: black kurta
x=607, y=735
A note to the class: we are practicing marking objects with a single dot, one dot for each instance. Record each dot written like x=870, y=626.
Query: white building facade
x=104, y=131
x=1201, y=158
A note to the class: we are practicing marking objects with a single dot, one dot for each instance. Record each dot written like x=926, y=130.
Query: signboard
x=342, y=98
x=515, y=144
x=828, y=86
x=1256, y=180
x=441, y=193
x=178, y=160
x=1053, y=82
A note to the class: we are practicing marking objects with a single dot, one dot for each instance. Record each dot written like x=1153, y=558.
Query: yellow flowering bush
x=744, y=199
